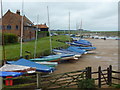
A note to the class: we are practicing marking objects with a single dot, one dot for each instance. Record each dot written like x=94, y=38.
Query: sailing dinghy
x=65, y=56
x=46, y=59
x=17, y=68
x=4, y=74
x=50, y=64
x=65, y=51
x=40, y=68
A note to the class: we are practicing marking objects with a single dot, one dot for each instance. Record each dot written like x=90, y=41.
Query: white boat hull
x=48, y=63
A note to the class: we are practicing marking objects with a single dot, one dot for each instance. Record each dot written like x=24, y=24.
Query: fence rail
x=104, y=77
x=63, y=80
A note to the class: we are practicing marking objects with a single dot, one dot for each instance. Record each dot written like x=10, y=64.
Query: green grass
x=61, y=38
x=12, y=52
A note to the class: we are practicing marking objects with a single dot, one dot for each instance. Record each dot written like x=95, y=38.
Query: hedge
x=47, y=32
x=10, y=38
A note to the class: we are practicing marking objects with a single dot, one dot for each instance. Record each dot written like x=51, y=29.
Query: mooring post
x=99, y=77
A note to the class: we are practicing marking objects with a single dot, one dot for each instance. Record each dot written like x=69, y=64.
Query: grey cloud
x=93, y=14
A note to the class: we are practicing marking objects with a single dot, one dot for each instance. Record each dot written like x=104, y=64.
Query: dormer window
x=8, y=27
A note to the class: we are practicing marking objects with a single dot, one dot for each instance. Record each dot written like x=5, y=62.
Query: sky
x=95, y=14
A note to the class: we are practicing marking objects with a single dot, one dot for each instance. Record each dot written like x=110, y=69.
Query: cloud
x=95, y=15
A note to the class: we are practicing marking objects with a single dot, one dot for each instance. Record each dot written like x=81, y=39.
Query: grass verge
x=12, y=52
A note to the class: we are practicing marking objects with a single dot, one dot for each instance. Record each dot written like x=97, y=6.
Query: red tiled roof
x=41, y=26
x=14, y=17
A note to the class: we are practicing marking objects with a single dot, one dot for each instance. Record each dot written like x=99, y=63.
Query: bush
x=86, y=83
x=116, y=86
x=10, y=38
x=45, y=33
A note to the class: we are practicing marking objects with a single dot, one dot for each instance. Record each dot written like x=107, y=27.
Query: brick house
x=42, y=30
x=42, y=27
x=11, y=23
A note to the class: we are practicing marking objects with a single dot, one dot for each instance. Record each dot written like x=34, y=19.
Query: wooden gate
x=61, y=80
x=104, y=77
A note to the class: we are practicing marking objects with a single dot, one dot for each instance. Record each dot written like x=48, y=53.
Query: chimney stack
x=18, y=12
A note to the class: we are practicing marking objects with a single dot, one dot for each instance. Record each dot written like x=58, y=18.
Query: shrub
x=44, y=33
x=86, y=83
x=116, y=86
x=10, y=38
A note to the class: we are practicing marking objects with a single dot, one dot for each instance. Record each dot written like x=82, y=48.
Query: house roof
x=10, y=17
x=41, y=26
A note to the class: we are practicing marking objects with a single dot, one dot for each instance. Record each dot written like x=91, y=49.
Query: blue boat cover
x=70, y=52
x=74, y=44
x=10, y=62
x=87, y=48
x=83, y=42
x=41, y=68
x=13, y=74
x=75, y=49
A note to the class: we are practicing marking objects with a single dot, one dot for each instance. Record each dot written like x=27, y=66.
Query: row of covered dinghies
x=23, y=66
x=46, y=63
x=82, y=43
x=42, y=64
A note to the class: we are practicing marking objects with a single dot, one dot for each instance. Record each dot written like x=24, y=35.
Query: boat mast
x=81, y=27
x=49, y=30
x=69, y=27
x=3, y=46
x=81, y=24
x=21, y=37
x=36, y=37
x=76, y=27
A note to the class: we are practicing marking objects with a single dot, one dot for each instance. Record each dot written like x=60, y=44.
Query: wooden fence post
x=1, y=83
x=38, y=80
x=99, y=77
x=88, y=73
x=110, y=75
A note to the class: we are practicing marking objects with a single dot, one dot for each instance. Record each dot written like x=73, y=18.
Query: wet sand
x=106, y=54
